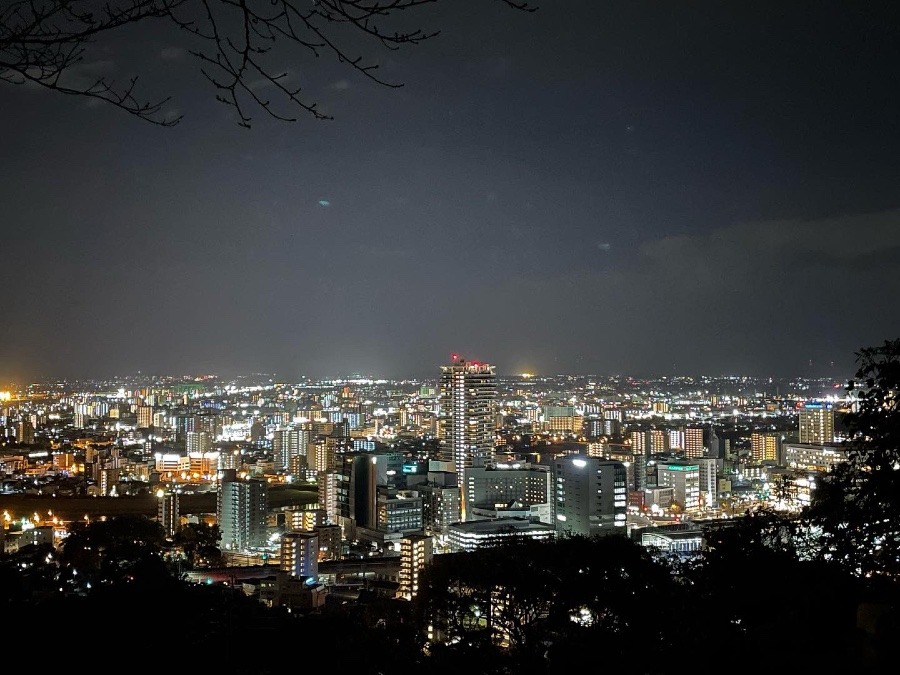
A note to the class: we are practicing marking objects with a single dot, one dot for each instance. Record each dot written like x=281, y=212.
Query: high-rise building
x=144, y=416
x=709, y=481
x=167, y=513
x=212, y=424
x=675, y=440
x=468, y=391
x=816, y=424
x=440, y=499
x=714, y=443
x=592, y=427
x=765, y=446
x=589, y=496
x=299, y=555
x=415, y=554
x=25, y=432
x=288, y=443
x=199, y=442
x=327, y=483
x=659, y=441
x=693, y=442
x=637, y=440
x=184, y=424
x=241, y=508
x=355, y=492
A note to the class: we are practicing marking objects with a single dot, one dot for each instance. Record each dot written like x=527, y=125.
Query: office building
x=684, y=478
x=813, y=457
x=589, y=495
x=475, y=534
x=502, y=484
x=398, y=510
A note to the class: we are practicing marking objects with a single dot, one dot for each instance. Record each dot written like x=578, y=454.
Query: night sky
x=644, y=188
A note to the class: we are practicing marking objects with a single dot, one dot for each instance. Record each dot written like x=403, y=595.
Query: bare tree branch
x=239, y=43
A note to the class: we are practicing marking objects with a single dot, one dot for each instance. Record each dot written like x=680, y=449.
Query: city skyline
x=591, y=188
x=826, y=382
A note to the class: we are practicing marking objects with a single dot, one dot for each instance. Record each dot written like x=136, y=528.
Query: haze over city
x=593, y=187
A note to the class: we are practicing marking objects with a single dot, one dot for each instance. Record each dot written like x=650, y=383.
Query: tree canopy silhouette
x=855, y=510
x=244, y=48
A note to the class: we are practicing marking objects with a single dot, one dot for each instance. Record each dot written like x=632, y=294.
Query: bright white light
x=580, y=463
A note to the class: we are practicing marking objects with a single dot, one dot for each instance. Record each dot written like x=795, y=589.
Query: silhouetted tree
x=28, y=572
x=855, y=510
x=249, y=51
x=751, y=588
x=126, y=548
x=200, y=543
x=544, y=607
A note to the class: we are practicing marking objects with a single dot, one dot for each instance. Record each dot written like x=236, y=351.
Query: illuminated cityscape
x=139, y=437
x=495, y=337
x=312, y=495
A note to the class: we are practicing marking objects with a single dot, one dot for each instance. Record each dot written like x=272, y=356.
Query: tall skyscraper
x=468, y=392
